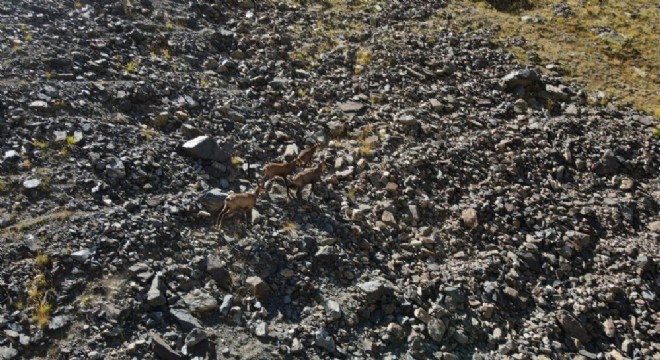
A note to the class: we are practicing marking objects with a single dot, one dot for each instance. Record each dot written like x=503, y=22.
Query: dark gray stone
x=163, y=349
x=257, y=287
x=327, y=254
x=524, y=78
x=186, y=320
x=323, y=340
x=572, y=327
x=213, y=200
x=351, y=107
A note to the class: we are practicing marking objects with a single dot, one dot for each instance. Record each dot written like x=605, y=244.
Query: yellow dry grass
x=610, y=47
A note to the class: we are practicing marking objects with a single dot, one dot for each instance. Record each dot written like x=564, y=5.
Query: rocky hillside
x=470, y=208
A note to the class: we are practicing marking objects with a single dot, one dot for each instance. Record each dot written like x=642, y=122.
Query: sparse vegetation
x=365, y=149
x=608, y=46
x=41, y=315
x=131, y=66
x=41, y=260
x=165, y=53
x=656, y=132
x=362, y=59
x=351, y=193
x=289, y=226
x=236, y=162
x=23, y=225
x=84, y=300
x=366, y=146
x=5, y=186
x=38, y=296
x=39, y=144
x=148, y=134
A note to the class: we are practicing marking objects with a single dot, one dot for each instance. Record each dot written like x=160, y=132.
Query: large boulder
x=207, y=148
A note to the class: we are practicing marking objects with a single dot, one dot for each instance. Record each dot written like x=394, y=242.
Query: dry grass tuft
x=289, y=226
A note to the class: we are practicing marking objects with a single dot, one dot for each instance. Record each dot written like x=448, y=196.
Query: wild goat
x=306, y=177
x=239, y=201
x=307, y=154
x=273, y=170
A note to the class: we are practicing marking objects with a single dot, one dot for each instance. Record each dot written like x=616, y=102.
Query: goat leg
x=217, y=222
x=288, y=192
x=222, y=218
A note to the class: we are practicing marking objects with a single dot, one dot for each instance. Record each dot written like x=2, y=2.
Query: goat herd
x=247, y=200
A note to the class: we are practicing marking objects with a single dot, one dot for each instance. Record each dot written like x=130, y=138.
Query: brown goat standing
x=243, y=201
x=307, y=154
x=273, y=170
x=305, y=177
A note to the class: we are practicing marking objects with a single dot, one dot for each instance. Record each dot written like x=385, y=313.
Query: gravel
x=470, y=208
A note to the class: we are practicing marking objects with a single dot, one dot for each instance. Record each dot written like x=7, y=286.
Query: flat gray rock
x=207, y=148
x=526, y=77
x=195, y=336
x=82, y=254
x=186, y=320
x=351, y=107
x=572, y=327
x=373, y=290
x=155, y=295
x=38, y=105
x=7, y=353
x=58, y=322
x=200, y=302
x=161, y=348
x=213, y=200
x=31, y=184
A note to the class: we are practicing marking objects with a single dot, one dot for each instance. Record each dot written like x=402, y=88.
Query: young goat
x=305, y=177
x=239, y=201
x=273, y=170
x=307, y=154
